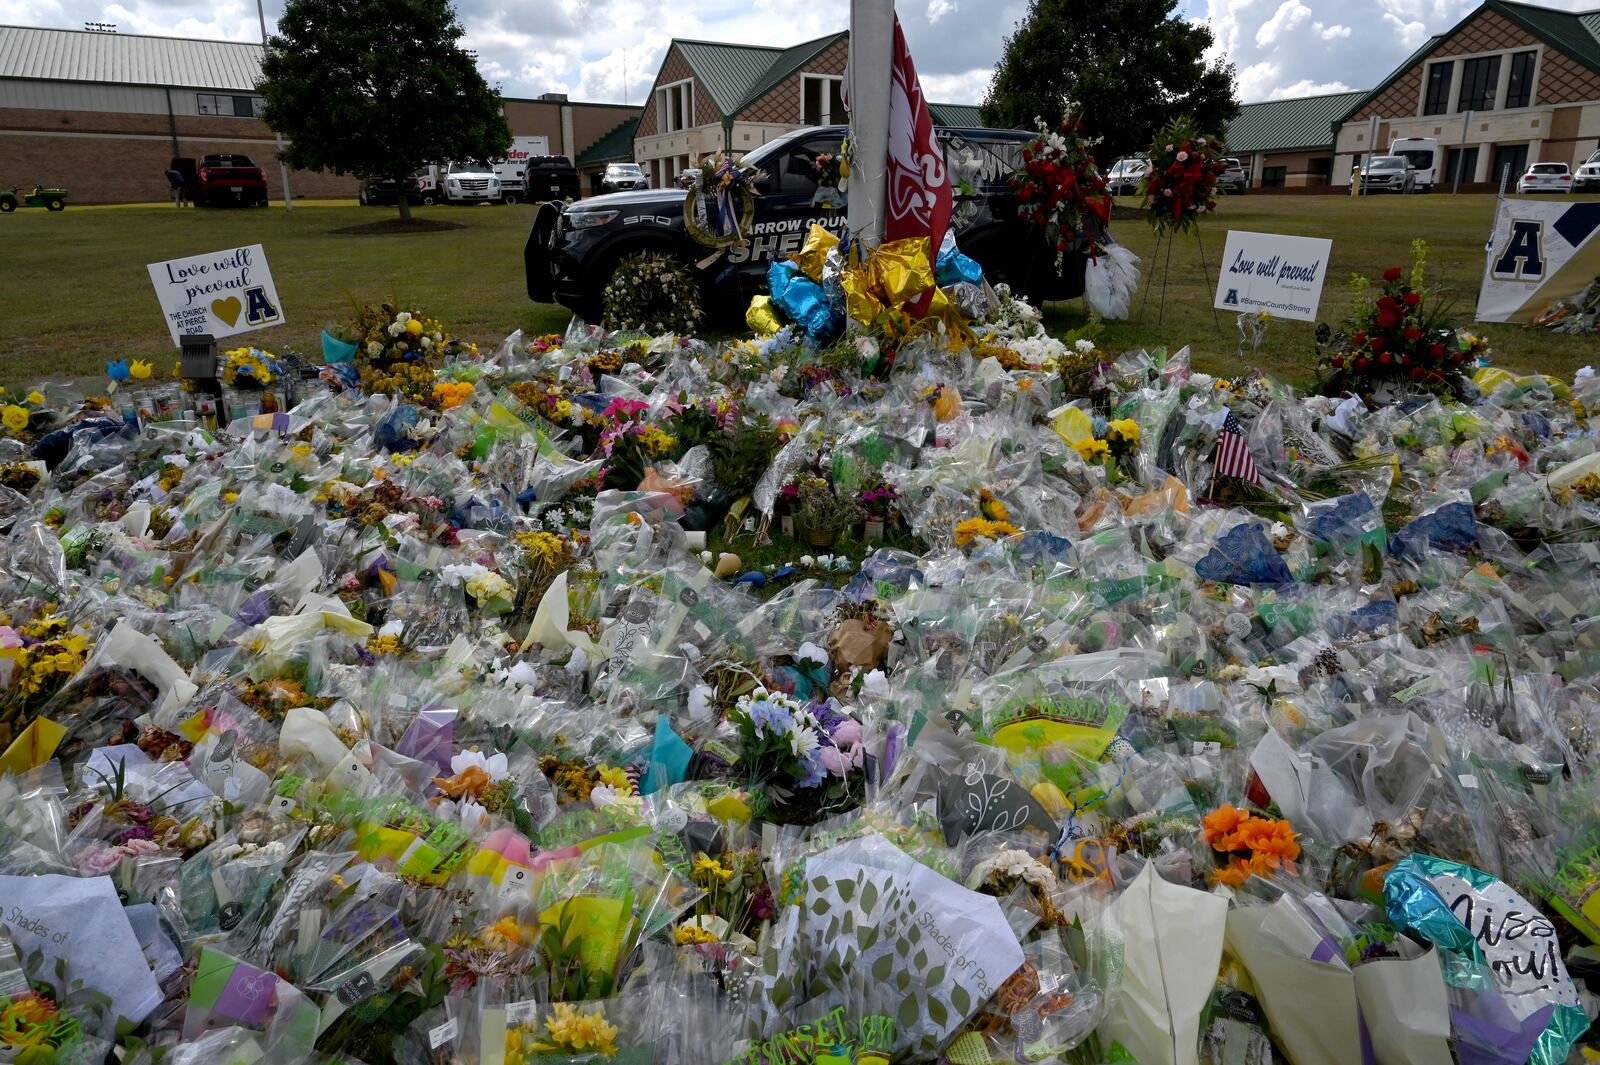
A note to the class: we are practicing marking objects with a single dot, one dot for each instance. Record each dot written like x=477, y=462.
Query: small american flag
x=1233, y=454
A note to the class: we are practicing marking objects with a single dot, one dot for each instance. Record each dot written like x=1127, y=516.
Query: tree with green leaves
x=1130, y=66
x=377, y=88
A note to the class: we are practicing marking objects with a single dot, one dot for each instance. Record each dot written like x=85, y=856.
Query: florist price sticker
x=221, y=293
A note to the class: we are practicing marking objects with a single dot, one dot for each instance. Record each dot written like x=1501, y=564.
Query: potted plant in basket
x=878, y=498
x=820, y=513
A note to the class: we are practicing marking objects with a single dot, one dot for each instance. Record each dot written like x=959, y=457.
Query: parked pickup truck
x=230, y=179
x=573, y=250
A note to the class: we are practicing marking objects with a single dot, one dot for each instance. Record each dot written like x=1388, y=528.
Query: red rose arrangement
x=1060, y=189
x=1182, y=183
x=1397, y=335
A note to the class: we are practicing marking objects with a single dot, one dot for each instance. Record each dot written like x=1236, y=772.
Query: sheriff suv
x=573, y=250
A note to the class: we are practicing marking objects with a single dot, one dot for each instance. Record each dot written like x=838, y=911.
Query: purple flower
x=136, y=832
x=813, y=772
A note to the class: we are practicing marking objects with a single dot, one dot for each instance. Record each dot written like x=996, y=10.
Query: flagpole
x=871, y=61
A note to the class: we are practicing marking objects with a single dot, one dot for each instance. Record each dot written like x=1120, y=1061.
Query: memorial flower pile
x=625, y=697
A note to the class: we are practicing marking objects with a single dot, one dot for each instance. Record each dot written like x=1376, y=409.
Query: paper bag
x=1172, y=948
x=1318, y=1005
x=1312, y=1004
x=81, y=922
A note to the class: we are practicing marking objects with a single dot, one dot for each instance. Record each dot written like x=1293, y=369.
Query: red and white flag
x=920, y=202
x=1233, y=454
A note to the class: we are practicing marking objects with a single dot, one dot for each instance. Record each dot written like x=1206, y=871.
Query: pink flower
x=848, y=734
x=9, y=637
x=1183, y=157
x=98, y=862
x=1169, y=147
x=839, y=762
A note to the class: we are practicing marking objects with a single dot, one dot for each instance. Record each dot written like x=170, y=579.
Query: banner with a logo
x=1539, y=252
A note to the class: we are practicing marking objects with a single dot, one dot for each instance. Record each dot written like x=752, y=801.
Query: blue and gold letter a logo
x=1523, y=257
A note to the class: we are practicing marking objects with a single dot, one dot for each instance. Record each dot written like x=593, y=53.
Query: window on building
x=1320, y=170
x=1274, y=177
x=1519, y=90
x=1461, y=165
x=1480, y=78
x=1510, y=163
x=675, y=106
x=1437, y=100
x=229, y=106
x=821, y=99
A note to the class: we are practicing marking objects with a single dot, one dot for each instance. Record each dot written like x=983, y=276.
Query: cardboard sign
x=1270, y=272
x=221, y=293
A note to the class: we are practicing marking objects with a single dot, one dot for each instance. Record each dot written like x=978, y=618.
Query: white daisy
x=803, y=741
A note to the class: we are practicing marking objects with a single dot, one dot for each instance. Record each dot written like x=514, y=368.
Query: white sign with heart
x=221, y=293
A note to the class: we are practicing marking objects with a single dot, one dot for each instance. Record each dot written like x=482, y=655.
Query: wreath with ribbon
x=721, y=204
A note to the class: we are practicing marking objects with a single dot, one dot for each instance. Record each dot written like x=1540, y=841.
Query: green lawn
x=76, y=292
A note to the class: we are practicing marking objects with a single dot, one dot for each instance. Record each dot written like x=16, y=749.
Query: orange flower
x=1265, y=863
x=1263, y=836
x=1221, y=825
x=1234, y=874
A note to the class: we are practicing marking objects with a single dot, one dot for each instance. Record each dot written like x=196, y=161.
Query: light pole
x=283, y=168
x=871, y=61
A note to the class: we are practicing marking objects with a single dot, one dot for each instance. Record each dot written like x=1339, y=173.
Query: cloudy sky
x=608, y=50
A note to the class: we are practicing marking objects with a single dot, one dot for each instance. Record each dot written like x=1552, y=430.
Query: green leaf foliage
x=1129, y=66
x=377, y=88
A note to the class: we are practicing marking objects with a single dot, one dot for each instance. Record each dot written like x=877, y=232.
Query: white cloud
x=1290, y=13
x=582, y=47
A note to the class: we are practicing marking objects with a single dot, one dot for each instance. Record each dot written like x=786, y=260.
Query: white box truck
x=512, y=170
x=1425, y=155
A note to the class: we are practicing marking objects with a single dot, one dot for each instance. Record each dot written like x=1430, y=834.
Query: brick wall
x=782, y=104
x=102, y=157
x=132, y=169
x=1564, y=80
x=590, y=123
x=1398, y=99
x=1489, y=32
x=675, y=68
x=535, y=118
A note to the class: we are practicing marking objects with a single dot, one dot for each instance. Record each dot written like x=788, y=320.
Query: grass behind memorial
x=76, y=293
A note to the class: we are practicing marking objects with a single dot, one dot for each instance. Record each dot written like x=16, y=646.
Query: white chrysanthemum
x=803, y=741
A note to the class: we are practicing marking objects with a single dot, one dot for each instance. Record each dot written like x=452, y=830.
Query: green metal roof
x=1572, y=32
x=961, y=116
x=1283, y=125
x=728, y=71
x=614, y=147
x=787, y=62
x=737, y=75
x=1577, y=33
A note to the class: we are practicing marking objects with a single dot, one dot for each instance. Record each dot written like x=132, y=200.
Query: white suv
x=1546, y=177
x=1588, y=175
x=471, y=182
